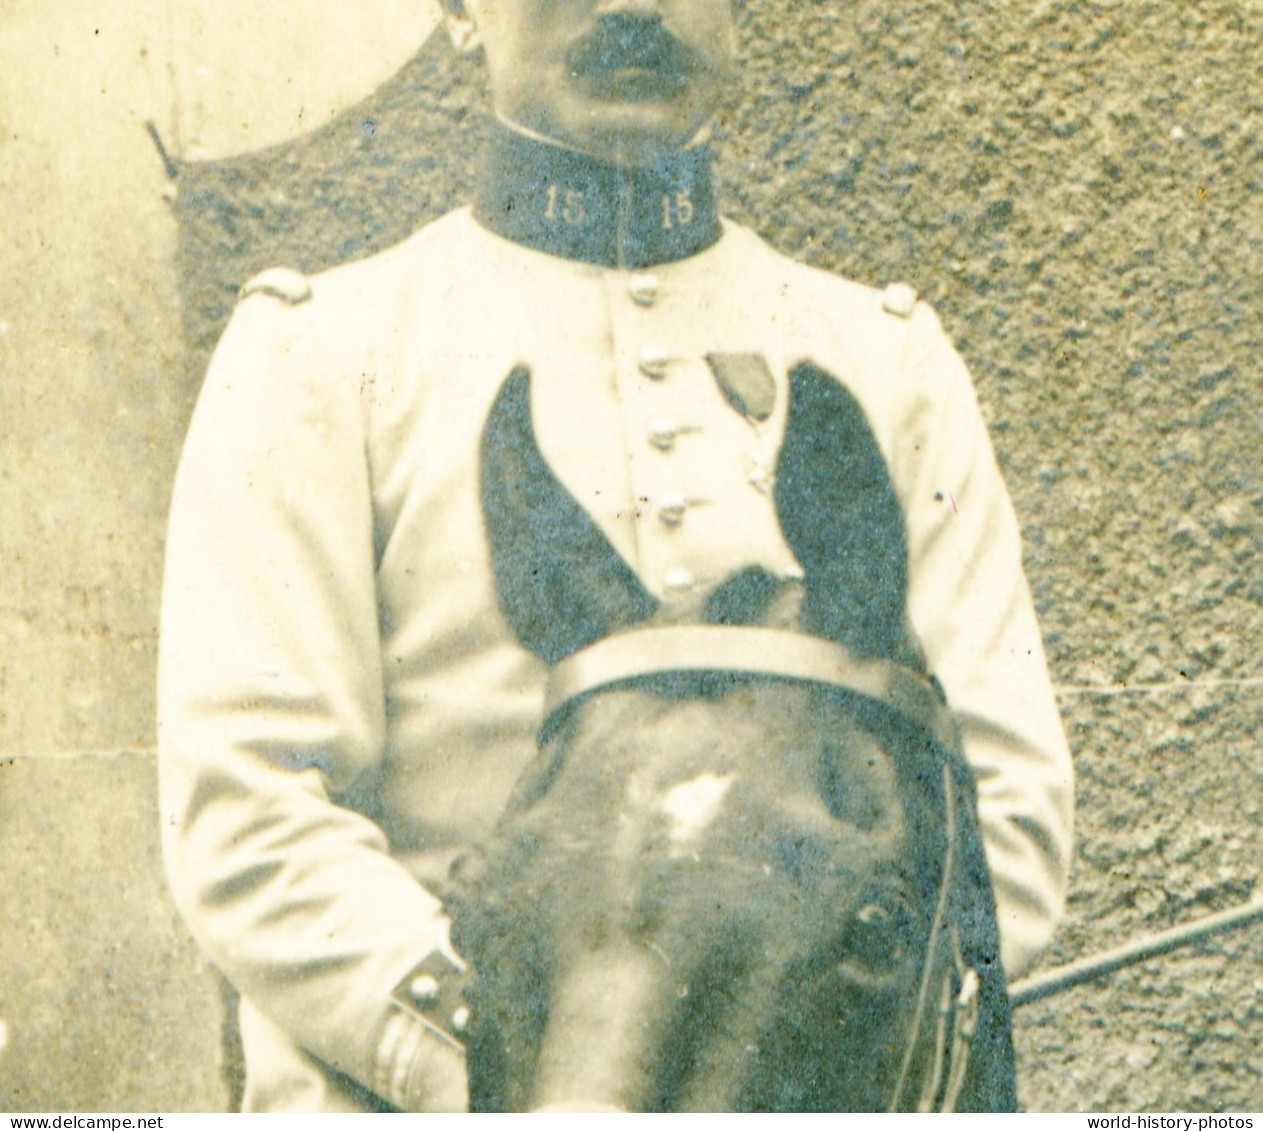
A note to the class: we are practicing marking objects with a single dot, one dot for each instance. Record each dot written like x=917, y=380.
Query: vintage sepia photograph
x=594, y=556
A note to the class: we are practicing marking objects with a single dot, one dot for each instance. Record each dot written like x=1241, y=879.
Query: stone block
x=106, y=1004
x=89, y=356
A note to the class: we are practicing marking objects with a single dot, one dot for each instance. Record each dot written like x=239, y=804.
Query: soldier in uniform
x=342, y=707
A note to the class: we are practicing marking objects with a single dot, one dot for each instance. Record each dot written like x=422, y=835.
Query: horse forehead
x=704, y=811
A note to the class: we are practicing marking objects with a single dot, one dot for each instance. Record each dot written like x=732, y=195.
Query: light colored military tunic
x=342, y=706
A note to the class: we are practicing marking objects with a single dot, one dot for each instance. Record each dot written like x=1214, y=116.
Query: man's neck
x=572, y=205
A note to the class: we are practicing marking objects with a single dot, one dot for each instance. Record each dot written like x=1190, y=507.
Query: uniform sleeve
x=271, y=706
x=971, y=606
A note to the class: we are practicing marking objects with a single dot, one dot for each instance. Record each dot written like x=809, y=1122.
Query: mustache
x=618, y=43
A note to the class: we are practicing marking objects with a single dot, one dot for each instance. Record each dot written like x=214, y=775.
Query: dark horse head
x=745, y=870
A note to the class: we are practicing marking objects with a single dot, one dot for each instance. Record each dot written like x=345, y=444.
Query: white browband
x=739, y=650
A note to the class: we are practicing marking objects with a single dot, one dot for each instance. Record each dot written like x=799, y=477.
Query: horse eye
x=880, y=933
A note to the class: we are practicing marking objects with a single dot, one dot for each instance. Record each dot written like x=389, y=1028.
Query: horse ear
x=560, y=582
x=839, y=513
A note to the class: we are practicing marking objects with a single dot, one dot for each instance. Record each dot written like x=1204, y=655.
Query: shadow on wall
x=1075, y=187
x=395, y=162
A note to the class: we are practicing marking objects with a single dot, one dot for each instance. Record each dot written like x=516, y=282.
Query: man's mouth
x=633, y=58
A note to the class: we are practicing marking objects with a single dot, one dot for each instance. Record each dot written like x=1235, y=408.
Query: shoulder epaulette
x=290, y=286
x=899, y=299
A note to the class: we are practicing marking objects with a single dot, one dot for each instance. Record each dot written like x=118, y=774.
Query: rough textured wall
x=1075, y=186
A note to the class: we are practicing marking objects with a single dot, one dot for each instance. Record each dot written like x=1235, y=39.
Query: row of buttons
x=663, y=431
x=734, y=411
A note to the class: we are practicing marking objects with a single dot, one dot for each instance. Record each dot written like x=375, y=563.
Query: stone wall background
x=1075, y=185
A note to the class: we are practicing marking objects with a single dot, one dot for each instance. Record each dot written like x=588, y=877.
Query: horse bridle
x=638, y=654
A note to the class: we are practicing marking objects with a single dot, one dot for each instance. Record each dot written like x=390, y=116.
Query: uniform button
x=671, y=509
x=678, y=580
x=653, y=362
x=662, y=433
x=424, y=989
x=643, y=289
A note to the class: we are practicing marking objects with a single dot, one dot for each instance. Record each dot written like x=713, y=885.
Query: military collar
x=577, y=207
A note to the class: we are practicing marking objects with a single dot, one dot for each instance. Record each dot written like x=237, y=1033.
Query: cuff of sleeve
x=420, y=1063
x=411, y=1050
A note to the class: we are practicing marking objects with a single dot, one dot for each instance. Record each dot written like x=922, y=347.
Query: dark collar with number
x=574, y=206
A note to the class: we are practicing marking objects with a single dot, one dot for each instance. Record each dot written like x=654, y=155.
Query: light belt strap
x=738, y=650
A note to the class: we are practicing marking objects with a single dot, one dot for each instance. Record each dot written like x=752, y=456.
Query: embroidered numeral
x=677, y=209
x=567, y=205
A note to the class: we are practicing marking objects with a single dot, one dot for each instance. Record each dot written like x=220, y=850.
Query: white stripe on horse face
x=691, y=806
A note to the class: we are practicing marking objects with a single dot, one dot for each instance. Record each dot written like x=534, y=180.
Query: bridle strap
x=739, y=650
x=937, y=927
